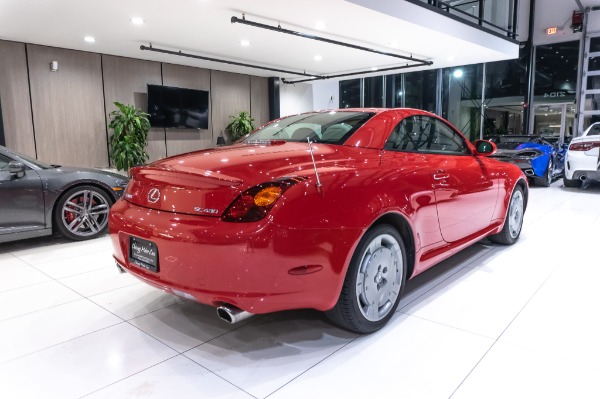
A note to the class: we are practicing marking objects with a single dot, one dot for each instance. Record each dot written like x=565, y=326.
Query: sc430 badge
x=208, y=211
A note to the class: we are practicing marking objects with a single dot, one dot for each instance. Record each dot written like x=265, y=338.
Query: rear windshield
x=333, y=127
x=594, y=130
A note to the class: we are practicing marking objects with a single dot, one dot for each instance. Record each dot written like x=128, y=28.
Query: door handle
x=441, y=175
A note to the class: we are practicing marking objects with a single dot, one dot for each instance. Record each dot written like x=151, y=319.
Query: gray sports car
x=37, y=199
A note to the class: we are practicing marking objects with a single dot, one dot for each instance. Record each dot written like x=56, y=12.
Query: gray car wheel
x=81, y=213
x=514, y=219
x=374, y=282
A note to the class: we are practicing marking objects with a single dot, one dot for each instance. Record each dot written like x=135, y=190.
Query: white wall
x=305, y=97
x=326, y=94
x=594, y=22
x=550, y=13
x=295, y=99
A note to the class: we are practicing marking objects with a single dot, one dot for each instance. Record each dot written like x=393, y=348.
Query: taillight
x=585, y=146
x=255, y=203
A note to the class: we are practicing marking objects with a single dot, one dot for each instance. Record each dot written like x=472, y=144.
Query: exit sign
x=552, y=30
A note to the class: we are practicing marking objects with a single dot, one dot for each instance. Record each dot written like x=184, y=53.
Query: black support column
x=530, y=70
x=274, y=107
x=2, y=140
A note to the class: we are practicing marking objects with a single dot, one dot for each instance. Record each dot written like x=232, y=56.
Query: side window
x=411, y=134
x=594, y=131
x=447, y=141
x=425, y=134
x=4, y=162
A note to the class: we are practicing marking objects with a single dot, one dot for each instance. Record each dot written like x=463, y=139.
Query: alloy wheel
x=515, y=217
x=379, y=278
x=85, y=213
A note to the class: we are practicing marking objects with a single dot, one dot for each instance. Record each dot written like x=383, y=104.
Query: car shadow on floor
x=39, y=243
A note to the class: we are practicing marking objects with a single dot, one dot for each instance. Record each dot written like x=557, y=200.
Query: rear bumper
x=578, y=163
x=586, y=175
x=258, y=267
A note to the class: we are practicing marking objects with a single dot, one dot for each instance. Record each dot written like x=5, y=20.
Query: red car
x=330, y=210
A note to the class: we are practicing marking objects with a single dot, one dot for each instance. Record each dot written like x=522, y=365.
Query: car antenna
x=312, y=155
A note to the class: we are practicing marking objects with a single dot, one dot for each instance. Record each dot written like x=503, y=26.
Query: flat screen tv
x=174, y=107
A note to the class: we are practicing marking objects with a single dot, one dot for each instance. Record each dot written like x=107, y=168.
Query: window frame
x=433, y=122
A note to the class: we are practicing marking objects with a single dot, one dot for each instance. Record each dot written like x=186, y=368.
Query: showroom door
x=555, y=122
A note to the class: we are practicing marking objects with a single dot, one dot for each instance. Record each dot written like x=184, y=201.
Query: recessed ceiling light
x=137, y=21
x=318, y=58
x=245, y=43
x=374, y=68
x=320, y=25
x=89, y=39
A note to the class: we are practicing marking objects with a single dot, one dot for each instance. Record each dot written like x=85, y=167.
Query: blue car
x=539, y=159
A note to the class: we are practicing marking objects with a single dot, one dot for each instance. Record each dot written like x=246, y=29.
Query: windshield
x=33, y=161
x=320, y=127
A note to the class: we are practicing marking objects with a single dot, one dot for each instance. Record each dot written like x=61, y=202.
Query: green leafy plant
x=128, y=142
x=240, y=125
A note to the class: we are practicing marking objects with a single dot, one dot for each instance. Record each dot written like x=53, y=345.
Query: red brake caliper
x=70, y=216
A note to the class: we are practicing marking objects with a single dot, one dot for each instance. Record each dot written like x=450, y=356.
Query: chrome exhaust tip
x=120, y=268
x=231, y=314
x=583, y=177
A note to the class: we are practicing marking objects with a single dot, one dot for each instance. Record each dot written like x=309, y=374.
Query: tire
x=513, y=222
x=378, y=265
x=81, y=213
x=571, y=183
x=547, y=179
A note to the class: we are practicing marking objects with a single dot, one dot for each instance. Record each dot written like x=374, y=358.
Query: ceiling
x=203, y=27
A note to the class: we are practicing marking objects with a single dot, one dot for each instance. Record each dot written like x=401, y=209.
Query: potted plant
x=128, y=142
x=240, y=125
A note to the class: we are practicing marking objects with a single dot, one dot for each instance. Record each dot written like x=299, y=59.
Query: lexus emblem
x=153, y=195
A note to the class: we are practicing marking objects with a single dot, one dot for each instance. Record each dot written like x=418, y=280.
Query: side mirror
x=484, y=147
x=16, y=168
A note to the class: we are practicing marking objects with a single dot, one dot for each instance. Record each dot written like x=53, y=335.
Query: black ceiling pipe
x=201, y=57
x=343, y=75
x=279, y=29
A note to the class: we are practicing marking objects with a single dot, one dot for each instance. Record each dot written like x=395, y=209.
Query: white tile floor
x=491, y=322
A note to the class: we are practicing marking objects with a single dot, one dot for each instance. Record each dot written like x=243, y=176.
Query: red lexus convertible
x=330, y=210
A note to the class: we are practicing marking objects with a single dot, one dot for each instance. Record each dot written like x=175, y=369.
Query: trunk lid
x=206, y=182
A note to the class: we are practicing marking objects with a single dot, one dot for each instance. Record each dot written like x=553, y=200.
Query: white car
x=582, y=160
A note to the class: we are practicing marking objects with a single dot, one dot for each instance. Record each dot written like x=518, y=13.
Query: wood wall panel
x=186, y=140
x=230, y=93
x=259, y=100
x=68, y=106
x=125, y=81
x=15, y=99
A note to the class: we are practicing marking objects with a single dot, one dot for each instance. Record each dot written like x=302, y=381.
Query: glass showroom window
x=556, y=69
x=461, y=98
x=350, y=93
x=420, y=89
x=373, y=89
x=505, y=88
x=556, y=72
x=394, y=91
